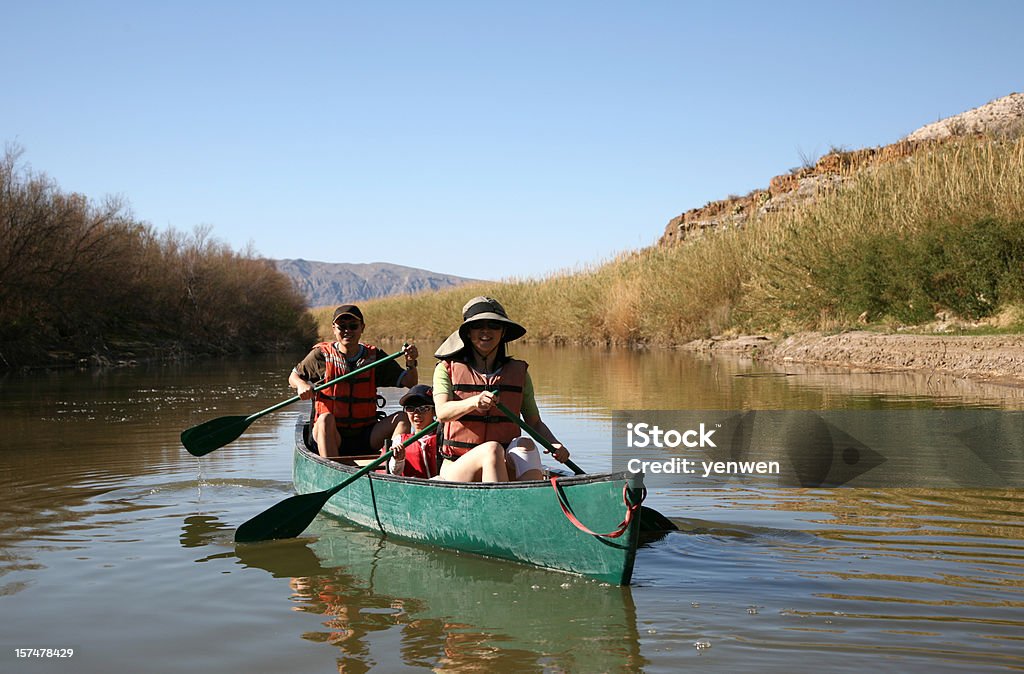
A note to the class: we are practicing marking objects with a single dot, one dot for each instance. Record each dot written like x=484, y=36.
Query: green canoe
x=517, y=521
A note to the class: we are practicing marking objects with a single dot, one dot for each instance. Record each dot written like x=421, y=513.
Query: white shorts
x=523, y=459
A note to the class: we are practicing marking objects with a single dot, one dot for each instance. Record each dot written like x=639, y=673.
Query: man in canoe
x=479, y=443
x=346, y=421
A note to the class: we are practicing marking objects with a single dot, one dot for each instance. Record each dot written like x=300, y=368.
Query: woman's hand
x=561, y=454
x=486, y=400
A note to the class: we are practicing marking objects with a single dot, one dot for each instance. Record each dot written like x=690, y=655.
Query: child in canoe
x=420, y=458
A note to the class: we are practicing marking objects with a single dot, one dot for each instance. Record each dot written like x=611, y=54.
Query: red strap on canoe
x=631, y=508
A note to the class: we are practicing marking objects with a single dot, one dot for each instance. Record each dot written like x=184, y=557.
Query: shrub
x=75, y=276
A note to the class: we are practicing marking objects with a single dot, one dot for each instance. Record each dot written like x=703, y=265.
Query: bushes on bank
x=77, y=276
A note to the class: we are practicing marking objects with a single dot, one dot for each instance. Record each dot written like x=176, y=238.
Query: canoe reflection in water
x=450, y=611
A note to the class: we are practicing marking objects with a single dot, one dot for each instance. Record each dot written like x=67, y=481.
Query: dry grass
x=889, y=230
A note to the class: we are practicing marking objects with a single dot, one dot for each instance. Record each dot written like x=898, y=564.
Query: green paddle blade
x=213, y=434
x=652, y=521
x=286, y=519
x=290, y=517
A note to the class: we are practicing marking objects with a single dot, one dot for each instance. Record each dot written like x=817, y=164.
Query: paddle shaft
x=215, y=433
x=327, y=384
x=535, y=435
x=373, y=464
x=358, y=474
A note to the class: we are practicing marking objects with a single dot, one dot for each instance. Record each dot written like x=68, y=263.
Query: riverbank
x=124, y=353
x=992, y=358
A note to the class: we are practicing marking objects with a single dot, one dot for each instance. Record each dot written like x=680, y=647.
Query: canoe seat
x=359, y=460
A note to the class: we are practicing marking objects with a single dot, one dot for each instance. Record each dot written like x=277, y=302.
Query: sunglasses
x=348, y=326
x=489, y=325
x=419, y=409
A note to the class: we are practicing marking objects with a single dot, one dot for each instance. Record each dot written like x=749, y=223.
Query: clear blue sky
x=483, y=139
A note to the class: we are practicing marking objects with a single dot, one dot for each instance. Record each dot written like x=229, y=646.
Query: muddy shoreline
x=991, y=358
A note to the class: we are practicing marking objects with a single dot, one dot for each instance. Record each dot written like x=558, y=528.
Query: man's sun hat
x=479, y=309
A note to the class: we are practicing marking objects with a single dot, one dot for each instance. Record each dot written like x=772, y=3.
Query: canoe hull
x=520, y=522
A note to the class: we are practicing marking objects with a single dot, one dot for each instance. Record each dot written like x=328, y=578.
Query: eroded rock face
x=1001, y=116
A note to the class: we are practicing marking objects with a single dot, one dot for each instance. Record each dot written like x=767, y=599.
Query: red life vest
x=420, y=456
x=353, y=402
x=475, y=428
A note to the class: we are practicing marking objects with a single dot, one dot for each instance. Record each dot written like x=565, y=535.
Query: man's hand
x=411, y=356
x=305, y=390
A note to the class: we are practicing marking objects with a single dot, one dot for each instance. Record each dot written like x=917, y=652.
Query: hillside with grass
x=935, y=231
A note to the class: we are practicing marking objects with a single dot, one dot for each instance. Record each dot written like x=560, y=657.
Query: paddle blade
x=652, y=521
x=213, y=434
x=286, y=519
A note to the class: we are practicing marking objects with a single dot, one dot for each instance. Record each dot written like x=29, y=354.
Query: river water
x=116, y=543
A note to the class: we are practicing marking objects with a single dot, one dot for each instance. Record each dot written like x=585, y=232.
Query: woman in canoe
x=479, y=443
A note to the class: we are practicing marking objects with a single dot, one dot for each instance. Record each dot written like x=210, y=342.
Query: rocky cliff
x=327, y=283
x=1001, y=116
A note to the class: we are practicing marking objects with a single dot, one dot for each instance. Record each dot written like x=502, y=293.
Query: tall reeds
x=939, y=231
x=942, y=230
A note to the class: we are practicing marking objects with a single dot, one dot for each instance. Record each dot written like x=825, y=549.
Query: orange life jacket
x=353, y=402
x=420, y=456
x=475, y=428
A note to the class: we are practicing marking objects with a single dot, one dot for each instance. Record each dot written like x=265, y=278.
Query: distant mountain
x=325, y=283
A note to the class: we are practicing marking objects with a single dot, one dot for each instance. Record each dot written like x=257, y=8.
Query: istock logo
x=645, y=435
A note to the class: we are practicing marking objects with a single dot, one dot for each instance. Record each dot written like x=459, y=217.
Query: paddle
x=290, y=517
x=215, y=433
x=650, y=519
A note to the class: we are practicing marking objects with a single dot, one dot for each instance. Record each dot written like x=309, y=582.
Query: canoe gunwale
x=344, y=471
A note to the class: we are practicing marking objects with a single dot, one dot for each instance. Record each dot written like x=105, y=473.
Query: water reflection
x=608, y=379
x=451, y=611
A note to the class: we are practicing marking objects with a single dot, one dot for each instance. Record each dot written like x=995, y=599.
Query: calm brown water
x=116, y=543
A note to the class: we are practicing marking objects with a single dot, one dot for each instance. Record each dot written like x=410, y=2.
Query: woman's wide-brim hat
x=479, y=309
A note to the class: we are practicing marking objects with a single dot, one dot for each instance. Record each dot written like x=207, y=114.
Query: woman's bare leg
x=483, y=463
